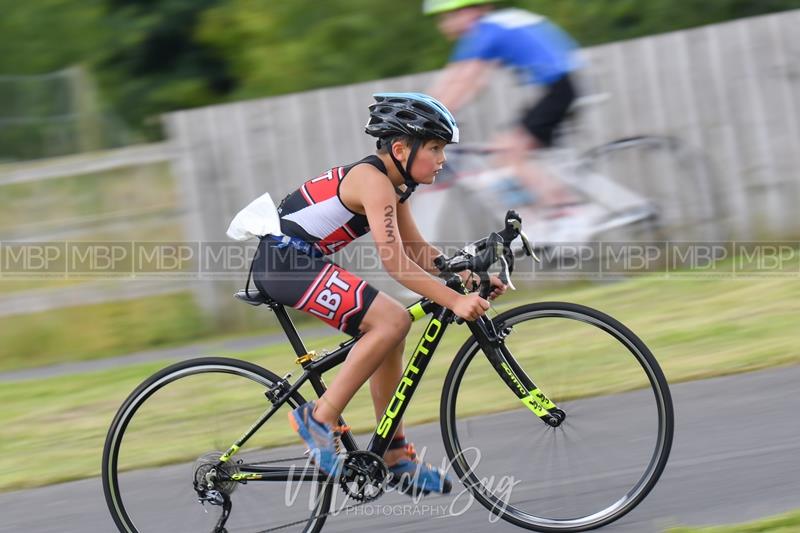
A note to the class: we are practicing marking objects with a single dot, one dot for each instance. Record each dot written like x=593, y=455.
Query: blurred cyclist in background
x=542, y=54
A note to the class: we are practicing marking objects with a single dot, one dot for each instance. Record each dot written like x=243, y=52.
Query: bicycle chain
x=298, y=522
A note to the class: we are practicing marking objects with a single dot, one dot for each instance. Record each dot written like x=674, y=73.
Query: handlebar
x=481, y=255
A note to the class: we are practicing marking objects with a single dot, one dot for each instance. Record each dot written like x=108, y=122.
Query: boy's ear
x=398, y=147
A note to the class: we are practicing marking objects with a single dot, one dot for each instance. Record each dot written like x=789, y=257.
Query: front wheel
x=615, y=426
x=161, y=456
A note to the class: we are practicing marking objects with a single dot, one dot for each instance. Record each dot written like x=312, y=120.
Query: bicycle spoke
x=603, y=457
x=167, y=444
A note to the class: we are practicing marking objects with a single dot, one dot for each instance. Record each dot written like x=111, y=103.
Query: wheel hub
x=211, y=481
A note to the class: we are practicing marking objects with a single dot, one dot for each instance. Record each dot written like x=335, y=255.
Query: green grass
x=96, y=331
x=786, y=523
x=8, y=286
x=85, y=203
x=58, y=425
x=53, y=429
x=83, y=333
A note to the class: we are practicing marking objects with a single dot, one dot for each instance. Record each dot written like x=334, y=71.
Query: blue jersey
x=537, y=49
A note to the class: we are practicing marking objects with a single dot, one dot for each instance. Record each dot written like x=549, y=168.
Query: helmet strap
x=410, y=184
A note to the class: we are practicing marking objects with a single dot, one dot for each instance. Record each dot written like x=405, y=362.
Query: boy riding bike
x=324, y=215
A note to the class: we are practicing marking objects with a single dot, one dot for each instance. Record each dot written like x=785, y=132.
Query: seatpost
x=288, y=328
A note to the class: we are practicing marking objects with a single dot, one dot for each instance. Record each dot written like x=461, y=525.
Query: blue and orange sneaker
x=411, y=476
x=320, y=438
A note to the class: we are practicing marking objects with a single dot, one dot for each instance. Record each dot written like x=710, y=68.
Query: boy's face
x=453, y=24
x=428, y=162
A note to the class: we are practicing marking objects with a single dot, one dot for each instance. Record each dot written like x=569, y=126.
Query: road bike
x=555, y=417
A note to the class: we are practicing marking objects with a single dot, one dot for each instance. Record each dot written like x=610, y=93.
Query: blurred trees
x=154, y=62
x=279, y=47
x=599, y=21
x=47, y=35
x=152, y=56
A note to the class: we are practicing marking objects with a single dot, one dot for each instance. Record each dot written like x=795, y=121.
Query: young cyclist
x=541, y=54
x=328, y=212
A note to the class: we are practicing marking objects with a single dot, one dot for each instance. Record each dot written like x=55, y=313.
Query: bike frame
x=489, y=340
x=572, y=169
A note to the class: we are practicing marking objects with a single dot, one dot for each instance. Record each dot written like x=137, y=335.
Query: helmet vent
x=424, y=108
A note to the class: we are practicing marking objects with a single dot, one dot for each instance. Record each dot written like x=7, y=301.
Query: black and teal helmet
x=415, y=115
x=412, y=114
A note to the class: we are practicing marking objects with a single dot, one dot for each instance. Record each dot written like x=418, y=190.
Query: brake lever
x=526, y=243
x=505, y=275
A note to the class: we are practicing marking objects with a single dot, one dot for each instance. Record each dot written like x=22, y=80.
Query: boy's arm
x=416, y=247
x=423, y=253
x=379, y=200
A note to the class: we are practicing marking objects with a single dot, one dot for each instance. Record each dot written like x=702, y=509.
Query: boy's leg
x=383, y=385
x=344, y=301
x=384, y=327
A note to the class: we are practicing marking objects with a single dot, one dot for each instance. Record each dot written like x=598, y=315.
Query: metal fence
x=55, y=114
x=44, y=224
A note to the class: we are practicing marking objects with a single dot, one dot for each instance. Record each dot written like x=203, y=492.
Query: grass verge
x=696, y=329
x=96, y=331
x=785, y=523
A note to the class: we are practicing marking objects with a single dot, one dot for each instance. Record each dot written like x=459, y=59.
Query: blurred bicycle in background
x=637, y=188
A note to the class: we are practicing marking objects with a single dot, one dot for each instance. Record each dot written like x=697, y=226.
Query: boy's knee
x=394, y=322
x=399, y=323
x=389, y=318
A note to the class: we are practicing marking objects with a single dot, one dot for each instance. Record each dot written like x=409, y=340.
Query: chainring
x=364, y=475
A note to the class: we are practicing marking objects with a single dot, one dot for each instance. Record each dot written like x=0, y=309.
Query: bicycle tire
x=512, y=435
x=129, y=501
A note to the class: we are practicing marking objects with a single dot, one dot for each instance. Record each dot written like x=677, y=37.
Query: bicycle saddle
x=253, y=298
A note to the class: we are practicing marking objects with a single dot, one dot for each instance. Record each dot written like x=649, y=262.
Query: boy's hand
x=470, y=306
x=498, y=287
x=471, y=281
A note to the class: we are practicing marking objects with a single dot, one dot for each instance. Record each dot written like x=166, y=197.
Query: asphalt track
x=736, y=457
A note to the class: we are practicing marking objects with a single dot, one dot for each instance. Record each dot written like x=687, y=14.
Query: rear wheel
x=168, y=436
x=611, y=443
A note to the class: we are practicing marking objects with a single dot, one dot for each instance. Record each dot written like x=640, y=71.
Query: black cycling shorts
x=314, y=285
x=543, y=118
